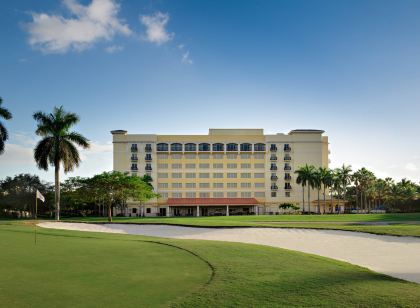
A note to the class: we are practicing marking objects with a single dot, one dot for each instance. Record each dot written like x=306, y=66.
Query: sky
x=351, y=68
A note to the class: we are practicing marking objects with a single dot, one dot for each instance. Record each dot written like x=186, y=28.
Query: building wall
x=306, y=147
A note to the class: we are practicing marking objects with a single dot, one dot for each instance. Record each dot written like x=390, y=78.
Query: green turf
x=396, y=224
x=76, y=269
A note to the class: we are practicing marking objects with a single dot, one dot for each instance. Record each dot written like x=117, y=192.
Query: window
x=218, y=194
x=134, y=210
x=259, y=194
x=162, y=156
x=190, y=147
x=204, y=195
x=190, y=185
x=148, y=167
x=245, y=185
x=190, y=166
x=217, y=185
x=204, y=185
x=148, y=157
x=259, y=166
x=204, y=175
x=190, y=156
x=218, y=156
x=287, y=194
x=217, y=147
x=232, y=185
x=190, y=175
x=246, y=166
x=204, y=166
x=259, y=185
x=246, y=194
x=176, y=166
x=148, y=210
x=273, y=147
x=273, y=194
x=204, y=156
x=259, y=147
x=163, y=185
x=232, y=166
x=232, y=175
x=218, y=166
x=176, y=195
x=287, y=167
x=246, y=147
x=259, y=156
x=162, y=147
x=232, y=194
x=232, y=156
x=245, y=156
x=273, y=167
x=190, y=194
x=176, y=147
x=134, y=167
x=204, y=147
x=232, y=147
x=217, y=175
x=245, y=175
x=176, y=175
x=176, y=185
x=162, y=175
x=164, y=195
x=176, y=156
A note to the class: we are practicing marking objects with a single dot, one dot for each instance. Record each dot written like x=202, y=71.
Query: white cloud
x=87, y=25
x=155, y=28
x=411, y=167
x=114, y=49
x=186, y=59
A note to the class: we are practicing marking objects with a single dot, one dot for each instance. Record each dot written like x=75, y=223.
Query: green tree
x=344, y=177
x=305, y=178
x=326, y=180
x=317, y=180
x=58, y=145
x=4, y=135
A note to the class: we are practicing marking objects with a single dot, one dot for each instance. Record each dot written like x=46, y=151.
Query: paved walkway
x=395, y=256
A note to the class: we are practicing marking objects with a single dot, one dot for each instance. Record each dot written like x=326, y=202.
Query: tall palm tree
x=58, y=145
x=344, y=179
x=305, y=178
x=326, y=180
x=317, y=180
x=4, y=135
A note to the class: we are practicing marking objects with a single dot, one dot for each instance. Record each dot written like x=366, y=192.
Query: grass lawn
x=393, y=224
x=80, y=269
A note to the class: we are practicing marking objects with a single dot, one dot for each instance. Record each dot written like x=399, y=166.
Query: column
x=198, y=210
x=227, y=210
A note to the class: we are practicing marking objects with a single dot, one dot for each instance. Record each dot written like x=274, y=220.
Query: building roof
x=212, y=201
x=306, y=131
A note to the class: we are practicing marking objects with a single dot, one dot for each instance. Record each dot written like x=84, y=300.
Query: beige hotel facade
x=227, y=172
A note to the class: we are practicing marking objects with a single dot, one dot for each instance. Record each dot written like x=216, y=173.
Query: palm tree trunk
x=303, y=199
x=324, y=201
x=332, y=198
x=309, y=200
x=57, y=190
x=110, y=211
x=319, y=206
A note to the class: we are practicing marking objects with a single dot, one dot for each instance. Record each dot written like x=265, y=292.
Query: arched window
x=217, y=147
x=204, y=147
x=176, y=147
x=259, y=147
x=162, y=147
x=246, y=147
x=232, y=147
x=190, y=147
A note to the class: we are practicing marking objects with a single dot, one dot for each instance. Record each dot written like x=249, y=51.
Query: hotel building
x=227, y=172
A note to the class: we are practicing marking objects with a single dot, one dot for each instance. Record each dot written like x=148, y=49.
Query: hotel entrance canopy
x=211, y=201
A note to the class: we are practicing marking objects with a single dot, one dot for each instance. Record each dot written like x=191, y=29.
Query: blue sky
x=351, y=68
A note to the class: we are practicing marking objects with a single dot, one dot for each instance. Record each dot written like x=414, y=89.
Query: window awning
x=211, y=201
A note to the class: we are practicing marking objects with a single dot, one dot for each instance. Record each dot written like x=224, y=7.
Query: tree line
x=359, y=191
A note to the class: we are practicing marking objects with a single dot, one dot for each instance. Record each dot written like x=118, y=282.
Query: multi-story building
x=227, y=172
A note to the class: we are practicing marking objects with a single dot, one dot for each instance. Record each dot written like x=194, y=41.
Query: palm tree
x=305, y=178
x=317, y=180
x=326, y=180
x=58, y=145
x=344, y=178
x=4, y=135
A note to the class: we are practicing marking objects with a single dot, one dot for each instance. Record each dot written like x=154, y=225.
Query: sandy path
x=395, y=256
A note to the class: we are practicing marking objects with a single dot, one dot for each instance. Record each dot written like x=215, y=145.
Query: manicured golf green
x=393, y=224
x=82, y=269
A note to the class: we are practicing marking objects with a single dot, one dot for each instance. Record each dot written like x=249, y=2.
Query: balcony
x=274, y=187
x=134, y=149
x=273, y=148
x=287, y=158
x=273, y=158
x=148, y=158
x=287, y=168
x=287, y=148
x=274, y=177
x=148, y=168
x=134, y=158
x=287, y=187
x=287, y=177
x=148, y=148
x=134, y=168
x=273, y=168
